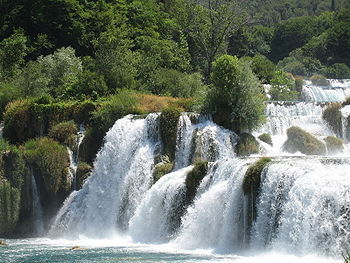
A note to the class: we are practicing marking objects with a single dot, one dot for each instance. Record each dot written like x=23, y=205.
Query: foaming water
x=334, y=91
x=198, y=137
x=121, y=176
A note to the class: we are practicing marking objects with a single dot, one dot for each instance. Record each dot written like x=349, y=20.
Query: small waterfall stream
x=37, y=214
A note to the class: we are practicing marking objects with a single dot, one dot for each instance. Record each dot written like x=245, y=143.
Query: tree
x=235, y=99
x=209, y=25
x=283, y=87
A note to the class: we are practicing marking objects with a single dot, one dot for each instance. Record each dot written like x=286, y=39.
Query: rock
x=194, y=178
x=251, y=181
x=304, y=142
x=266, y=137
x=3, y=243
x=246, y=145
x=334, y=144
x=77, y=248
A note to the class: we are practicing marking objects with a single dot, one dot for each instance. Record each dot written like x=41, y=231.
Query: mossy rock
x=169, y=119
x=65, y=133
x=10, y=200
x=194, y=178
x=334, y=144
x=83, y=172
x=50, y=160
x=304, y=142
x=91, y=144
x=319, y=80
x=251, y=181
x=333, y=117
x=161, y=169
x=246, y=145
x=266, y=137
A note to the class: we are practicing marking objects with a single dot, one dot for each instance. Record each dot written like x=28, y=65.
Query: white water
x=37, y=214
x=121, y=176
x=303, y=207
x=202, y=139
x=336, y=91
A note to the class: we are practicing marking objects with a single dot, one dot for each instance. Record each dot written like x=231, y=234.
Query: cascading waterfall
x=215, y=220
x=156, y=218
x=198, y=137
x=304, y=206
x=281, y=116
x=37, y=214
x=335, y=91
x=121, y=176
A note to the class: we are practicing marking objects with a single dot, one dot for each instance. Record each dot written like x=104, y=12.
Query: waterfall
x=37, y=214
x=303, y=206
x=121, y=176
x=157, y=217
x=215, y=220
x=198, y=137
x=336, y=91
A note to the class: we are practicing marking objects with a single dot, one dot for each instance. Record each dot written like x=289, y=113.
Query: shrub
x=334, y=144
x=299, y=82
x=83, y=172
x=265, y=137
x=236, y=98
x=9, y=206
x=246, y=145
x=333, y=117
x=162, y=169
x=169, y=119
x=263, y=68
x=51, y=161
x=193, y=179
x=251, y=181
x=338, y=71
x=302, y=141
x=64, y=133
x=319, y=80
x=283, y=87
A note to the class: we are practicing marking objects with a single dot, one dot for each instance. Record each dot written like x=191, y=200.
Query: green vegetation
x=283, y=87
x=265, y=137
x=334, y=144
x=319, y=80
x=246, y=145
x=169, y=119
x=51, y=161
x=235, y=99
x=161, y=169
x=194, y=178
x=64, y=133
x=251, y=181
x=302, y=141
x=332, y=116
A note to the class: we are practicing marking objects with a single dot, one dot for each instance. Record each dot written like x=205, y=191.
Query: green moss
x=169, y=119
x=251, y=181
x=246, y=145
x=51, y=161
x=334, y=144
x=9, y=206
x=302, y=141
x=333, y=118
x=265, y=137
x=83, y=172
x=193, y=179
x=162, y=169
x=65, y=133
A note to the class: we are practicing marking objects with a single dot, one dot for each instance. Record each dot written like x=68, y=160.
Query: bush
x=319, y=80
x=236, y=98
x=194, y=178
x=9, y=206
x=263, y=68
x=299, y=82
x=302, y=141
x=65, y=133
x=334, y=144
x=169, y=119
x=265, y=137
x=252, y=177
x=337, y=71
x=51, y=161
x=333, y=117
x=246, y=145
x=83, y=172
x=283, y=87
